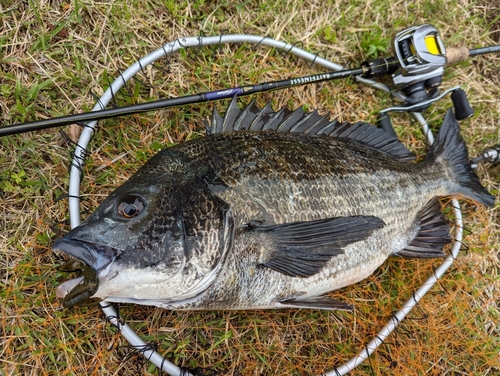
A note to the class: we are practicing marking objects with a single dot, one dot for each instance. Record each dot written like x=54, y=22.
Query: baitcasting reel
x=420, y=57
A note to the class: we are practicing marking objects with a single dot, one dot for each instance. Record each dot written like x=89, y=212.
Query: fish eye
x=131, y=207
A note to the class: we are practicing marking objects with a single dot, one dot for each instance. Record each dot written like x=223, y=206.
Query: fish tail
x=449, y=149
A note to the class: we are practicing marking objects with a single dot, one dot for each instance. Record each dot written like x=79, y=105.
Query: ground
x=57, y=56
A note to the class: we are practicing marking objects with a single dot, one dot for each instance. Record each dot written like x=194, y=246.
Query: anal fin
x=316, y=302
x=433, y=235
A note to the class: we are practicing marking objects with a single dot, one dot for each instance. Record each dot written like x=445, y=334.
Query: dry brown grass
x=78, y=45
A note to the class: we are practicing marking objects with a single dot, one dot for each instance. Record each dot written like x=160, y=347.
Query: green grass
x=54, y=55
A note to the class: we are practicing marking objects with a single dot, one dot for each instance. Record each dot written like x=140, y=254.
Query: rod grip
x=456, y=54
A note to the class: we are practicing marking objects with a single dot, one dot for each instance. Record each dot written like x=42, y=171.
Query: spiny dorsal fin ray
x=216, y=125
x=309, y=121
x=232, y=113
x=247, y=117
x=255, y=119
x=262, y=117
x=321, y=125
x=291, y=120
x=276, y=119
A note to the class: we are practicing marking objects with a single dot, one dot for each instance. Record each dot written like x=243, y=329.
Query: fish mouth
x=88, y=258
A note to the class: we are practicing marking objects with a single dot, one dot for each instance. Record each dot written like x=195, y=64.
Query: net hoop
x=171, y=47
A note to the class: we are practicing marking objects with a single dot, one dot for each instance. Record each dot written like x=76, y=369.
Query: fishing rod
x=420, y=57
x=174, y=102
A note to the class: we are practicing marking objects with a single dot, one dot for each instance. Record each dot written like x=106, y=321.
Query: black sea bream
x=269, y=210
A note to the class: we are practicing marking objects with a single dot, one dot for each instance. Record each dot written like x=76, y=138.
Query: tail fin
x=449, y=148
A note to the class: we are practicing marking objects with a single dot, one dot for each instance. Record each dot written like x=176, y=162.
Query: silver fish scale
x=276, y=184
x=284, y=184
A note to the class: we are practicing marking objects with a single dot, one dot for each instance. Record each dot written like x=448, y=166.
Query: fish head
x=154, y=241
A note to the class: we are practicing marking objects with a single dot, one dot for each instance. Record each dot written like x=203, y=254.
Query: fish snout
x=91, y=258
x=93, y=255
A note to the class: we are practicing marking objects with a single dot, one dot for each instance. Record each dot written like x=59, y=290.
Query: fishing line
x=77, y=161
x=168, y=49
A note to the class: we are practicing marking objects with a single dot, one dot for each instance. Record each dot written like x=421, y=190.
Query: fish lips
x=95, y=258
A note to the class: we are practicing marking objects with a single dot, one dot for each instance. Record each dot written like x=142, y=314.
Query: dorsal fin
x=255, y=119
x=262, y=118
x=232, y=113
x=374, y=138
x=247, y=117
x=276, y=119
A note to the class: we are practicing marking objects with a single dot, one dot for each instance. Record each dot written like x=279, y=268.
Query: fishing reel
x=417, y=69
x=421, y=58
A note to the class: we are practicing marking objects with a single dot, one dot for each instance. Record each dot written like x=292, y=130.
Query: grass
x=55, y=55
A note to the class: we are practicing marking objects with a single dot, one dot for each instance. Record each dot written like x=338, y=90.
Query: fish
x=271, y=209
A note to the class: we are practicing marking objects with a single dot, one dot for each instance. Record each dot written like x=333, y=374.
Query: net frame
x=201, y=41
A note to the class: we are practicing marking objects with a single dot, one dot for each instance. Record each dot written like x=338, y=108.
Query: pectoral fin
x=301, y=249
x=316, y=302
